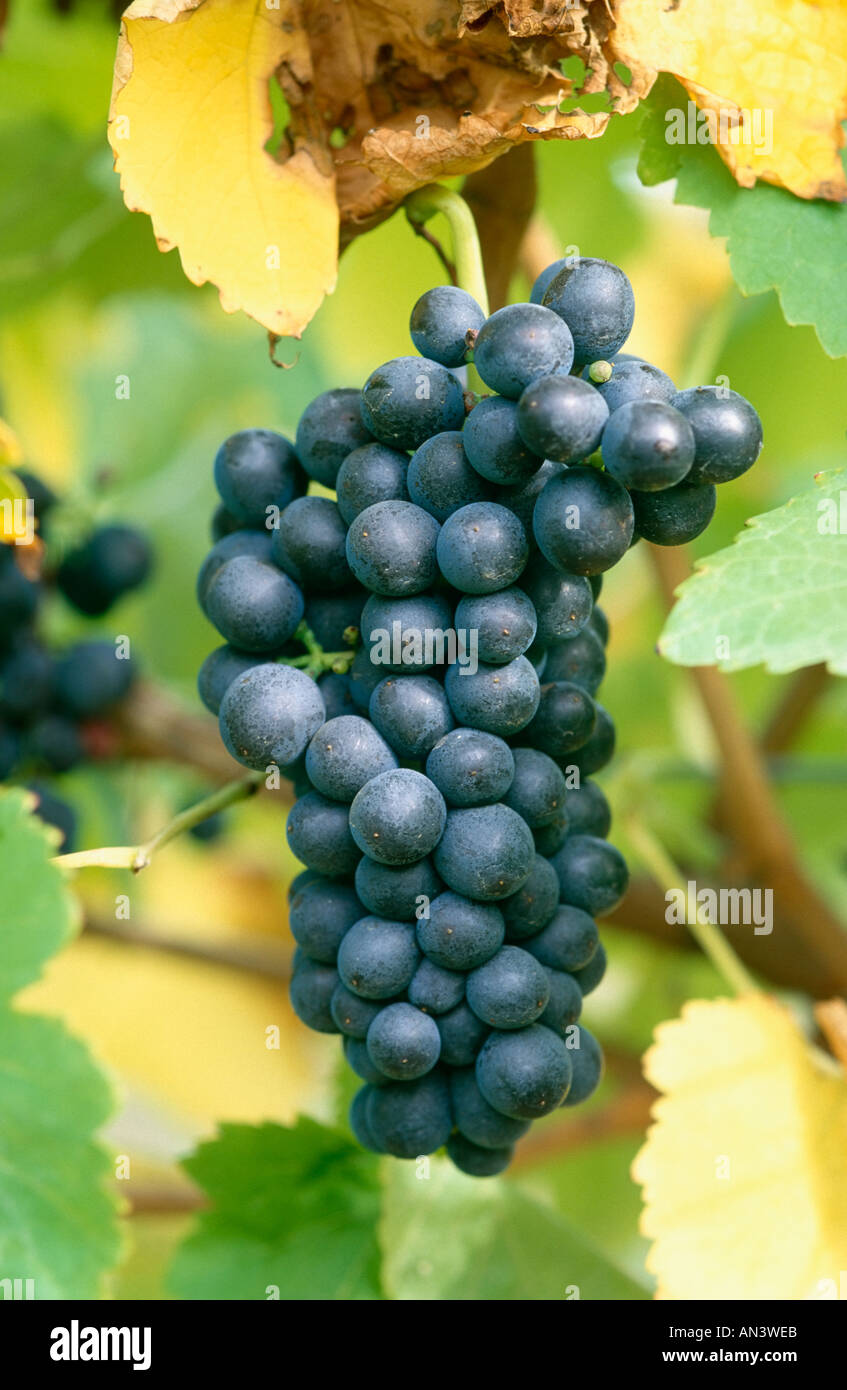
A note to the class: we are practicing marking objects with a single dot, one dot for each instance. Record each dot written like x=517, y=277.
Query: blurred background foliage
x=86, y=298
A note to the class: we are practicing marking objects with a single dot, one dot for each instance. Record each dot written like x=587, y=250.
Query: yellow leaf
x=189, y=120
x=777, y=66
x=745, y=1169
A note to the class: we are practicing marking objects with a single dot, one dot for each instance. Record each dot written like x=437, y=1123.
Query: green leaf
x=775, y=241
x=39, y=916
x=58, y=1221
x=294, y=1210
x=450, y=1237
x=778, y=595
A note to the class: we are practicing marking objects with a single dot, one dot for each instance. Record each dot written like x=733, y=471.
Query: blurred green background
x=86, y=298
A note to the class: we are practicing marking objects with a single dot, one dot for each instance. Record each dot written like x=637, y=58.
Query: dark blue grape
x=352, y=1014
x=372, y=473
x=589, y=977
x=551, y=837
x=219, y=670
x=632, y=380
x=522, y=500
x=583, y=521
x=598, y=749
x=543, y=280
x=18, y=595
x=592, y=874
x=358, y=1121
x=364, y=678
x=223, y=523
x=410, y=398
x=580, y=660
x=441, y=321
x=600, y=625
x=510, y=990
x=537, y=792
x=310, y=545
x=329, y=429
x=568, y=941
x=675, y=516
x=476, y=1119
x=505, y=624
x=319, y=836
x=396, y=892
x=462, y=1035
x=481, y=547
x=435, y=989
x=335, y=619
x=398, y=817
x=257, y=544
x=441, y=479
x=403, y=1042
x=475, y=1161
x=496, y=699
x=648, y=445
x=320, y=915
x=587, y=1066
x=359, y=1060
x=253, y=605
x=562, y=418
x=54, y=742
x=412, y=713
x=727, y=432
x=524, y=1074
x=470, y=767
x=520, y=343
x=459, y=934
x=26, y=681
x=565, y=1003
x=311, y=989
x=113, y=561
x=378, y=957
x=563, y=602
x=391, y=548
x=91, y=678
x=269, y=714
x=55, y=812
x=494, y=446
x=565, y=719
x=486, y=852
x=255, y=470
x=588, y=810
x=344, y=754
x=412, y=629
x=410, y=1118
x=594, y=298
x=532, y=906
x=336, y=694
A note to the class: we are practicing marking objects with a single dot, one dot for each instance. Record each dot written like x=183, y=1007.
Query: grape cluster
x=454, y=839
x=53, y=703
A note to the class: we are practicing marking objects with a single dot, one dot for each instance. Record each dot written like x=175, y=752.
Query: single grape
x=364, y=678
x=475, y=1161
x=344, y=754
x=494, y=446
x=258, y=544
x=113, y=561
x=396, y=892
x=551, y=837
x=592, y=874
x=320, y=914
x=588, y=810
x=532, y=906
x=565, y=719
x=378, y=957
x=580, y=660
x=520, y=343
x=476, y=1119
x=600, y=625
x=504, y=623
x=565, y=1003
x=435, y=989
x=255, y=470
x=268, y=715
x=441, y=479
x=568, y=941
x=410, y=1118
x=403, y=1042
x=587, y=1066
x=223, y=523
x=495, y=699
x=727, y=433
x=595, y=300
x=486, y=852
x=26, y=681
x=19, y=596
x=583, y=521
x=91, y=678
x=329, y=429
x=410, y=398
x=253, y=605
x=510, y=990
x=524, y=1074
x=537, y=792
x=589, y=977
x=352, y=1014
x=391, y=548
x=54, y=742
x=310, y=545
x=311, y=990
x=398, y=817
x=462, y=1035
x=470, y=767
x=562, y=418
x=563, y=602
x=53, y=811
x=359, y=1060
x=372, y=473
x=675, y=516
x=459, y=934
x=598, y=749
x=336, y=694
x=413, y=630
x=648, y=445
x=522, y=500
x=319, y=836
x=219, y=670
x=412, y=713
x=481, y=547
x=441, y=321
x=358, y=1121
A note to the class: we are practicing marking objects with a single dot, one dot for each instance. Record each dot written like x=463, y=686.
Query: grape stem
x=467, y=253
x=708, y=936
x=138, y=857
x=316, y=660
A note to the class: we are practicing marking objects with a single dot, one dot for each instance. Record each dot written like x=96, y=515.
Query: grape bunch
x=454, y=838
x=54, y=704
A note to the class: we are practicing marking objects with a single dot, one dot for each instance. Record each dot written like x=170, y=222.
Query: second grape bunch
x=443, y=752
